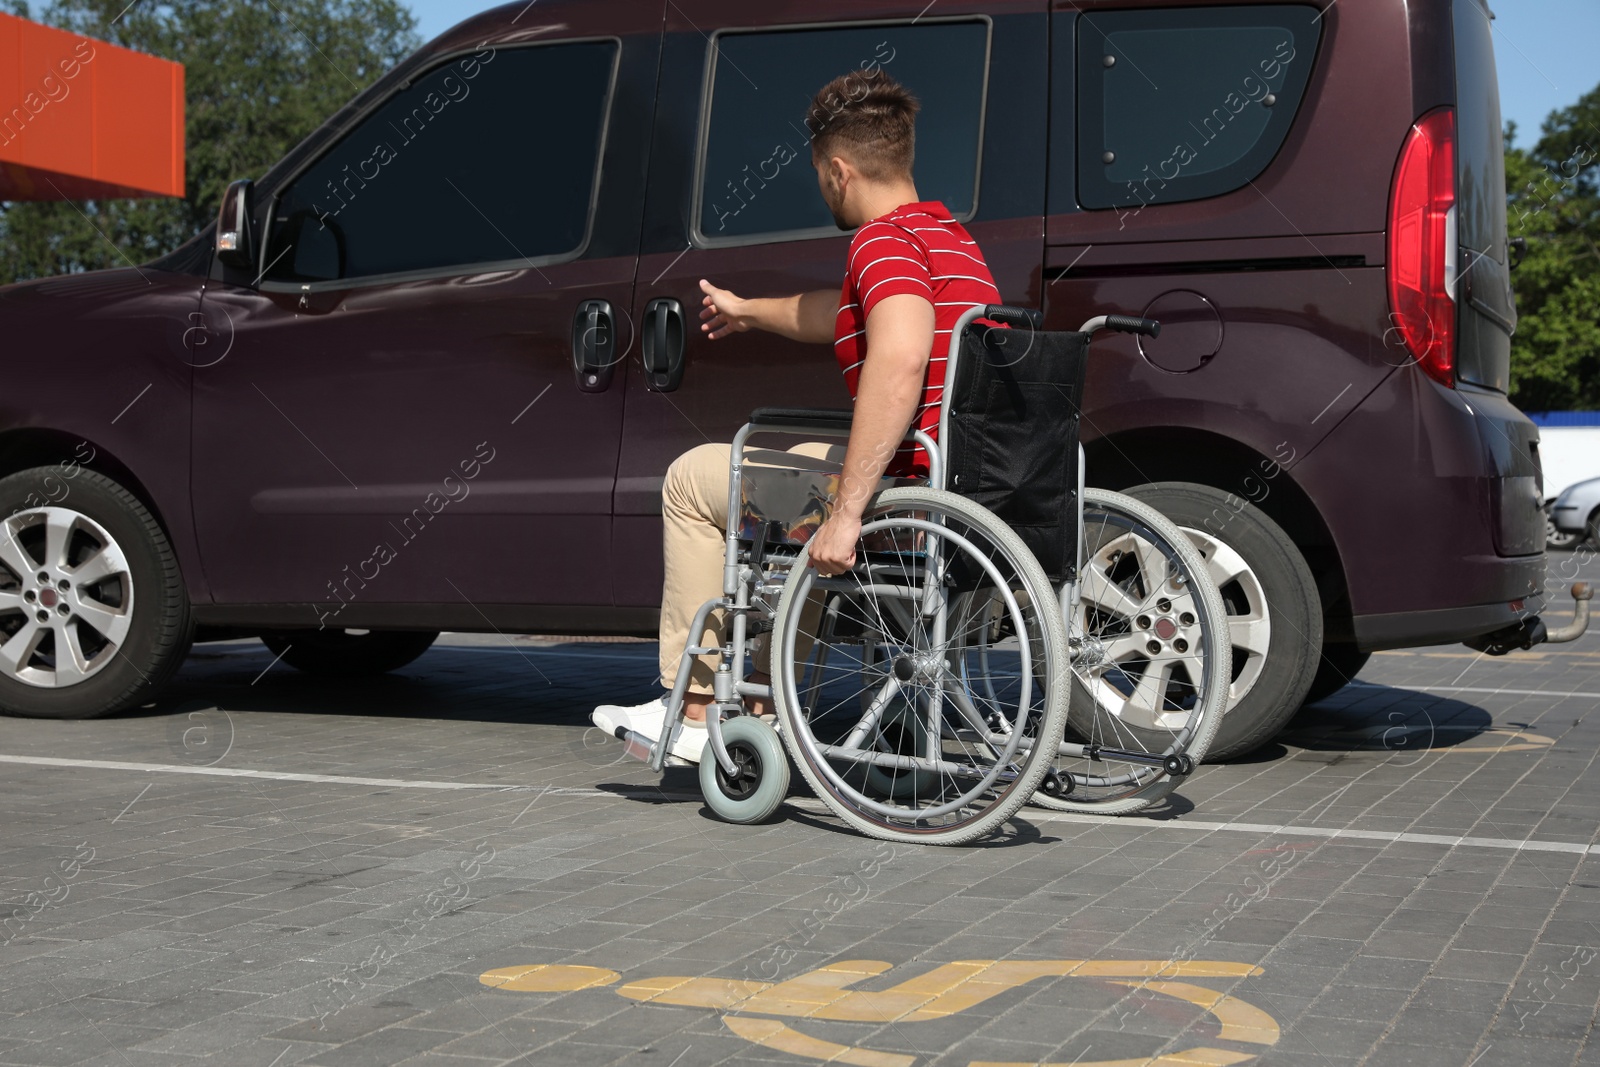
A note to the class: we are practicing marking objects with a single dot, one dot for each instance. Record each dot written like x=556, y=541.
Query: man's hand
x=805, y=317
x=833, y=546
x=724, y=313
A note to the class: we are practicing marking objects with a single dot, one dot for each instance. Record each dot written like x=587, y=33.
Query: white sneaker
x=642, y=719
x=688, y=739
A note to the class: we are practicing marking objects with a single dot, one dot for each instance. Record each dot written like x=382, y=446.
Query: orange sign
x=80, y=118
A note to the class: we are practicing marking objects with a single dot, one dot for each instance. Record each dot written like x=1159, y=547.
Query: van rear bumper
x=1439, y=626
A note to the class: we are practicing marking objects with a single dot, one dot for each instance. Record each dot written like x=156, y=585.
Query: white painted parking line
x=645, y=651
x=286, y=776
x=1478, y=689
x=1512, y=844
x=815, y=806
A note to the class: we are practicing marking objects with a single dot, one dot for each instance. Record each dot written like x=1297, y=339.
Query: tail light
x=1422, y=245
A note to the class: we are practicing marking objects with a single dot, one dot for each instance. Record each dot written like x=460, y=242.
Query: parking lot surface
x=447, y=866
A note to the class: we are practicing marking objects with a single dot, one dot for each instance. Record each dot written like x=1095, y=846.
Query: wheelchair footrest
x=635, y=744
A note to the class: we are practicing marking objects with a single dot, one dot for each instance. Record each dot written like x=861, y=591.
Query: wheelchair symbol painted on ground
x=765, y=1009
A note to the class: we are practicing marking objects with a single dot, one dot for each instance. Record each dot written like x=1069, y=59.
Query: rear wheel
x=1338, y=667
x=93, y=614
x=1274, y=609
x=1150, y=661
x=348, y=653
x=881, y=675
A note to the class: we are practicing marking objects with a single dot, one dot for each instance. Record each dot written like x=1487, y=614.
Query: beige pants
x=695, y=510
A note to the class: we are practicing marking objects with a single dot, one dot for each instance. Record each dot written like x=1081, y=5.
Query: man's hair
x=869, y=118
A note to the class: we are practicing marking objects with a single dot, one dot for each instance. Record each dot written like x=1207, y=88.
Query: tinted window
x=755, y=172
x=489, y=158
x=1480, y=147
x=1183, y=104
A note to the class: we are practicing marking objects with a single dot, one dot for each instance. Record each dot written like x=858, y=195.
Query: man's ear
x=841, y=171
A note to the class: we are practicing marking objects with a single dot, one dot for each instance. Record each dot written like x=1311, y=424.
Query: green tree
x=1554, y=203
x=259, y=75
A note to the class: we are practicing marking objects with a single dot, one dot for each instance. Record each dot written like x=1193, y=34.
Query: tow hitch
x=1532, y=631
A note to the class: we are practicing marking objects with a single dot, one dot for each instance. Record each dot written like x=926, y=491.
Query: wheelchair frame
x=747, y=583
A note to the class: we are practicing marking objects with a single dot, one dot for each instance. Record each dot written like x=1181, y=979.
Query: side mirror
x=1518, y=248
x=234, y=246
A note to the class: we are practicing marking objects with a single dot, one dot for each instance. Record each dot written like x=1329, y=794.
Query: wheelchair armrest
x=838, y=419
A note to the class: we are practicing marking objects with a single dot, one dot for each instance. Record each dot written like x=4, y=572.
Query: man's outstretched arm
x=806, y=317
x=900, y=335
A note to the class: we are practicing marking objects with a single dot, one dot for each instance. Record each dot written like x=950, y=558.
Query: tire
x=1274, y=609
x=1555, y=538
x=763, y=777
x=1338, y=667
x=115, y=600
x=1101, y=708
x=990, y=785
x=341, y=654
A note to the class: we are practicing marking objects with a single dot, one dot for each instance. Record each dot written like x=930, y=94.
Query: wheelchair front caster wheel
x=761, y=772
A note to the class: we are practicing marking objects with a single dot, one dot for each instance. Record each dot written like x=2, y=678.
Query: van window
x=1480, y=144
x=755, y=179
x=472, y=164
x=1182, y=104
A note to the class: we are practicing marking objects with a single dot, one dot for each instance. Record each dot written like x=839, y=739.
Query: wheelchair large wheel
x=857, y=655
x=1150, y=660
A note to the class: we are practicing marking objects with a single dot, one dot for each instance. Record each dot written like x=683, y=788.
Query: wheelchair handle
x=1132, y=324
x=1012, y=316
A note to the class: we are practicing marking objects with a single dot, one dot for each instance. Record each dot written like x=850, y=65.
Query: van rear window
x=755, y=180
x=1180, y=104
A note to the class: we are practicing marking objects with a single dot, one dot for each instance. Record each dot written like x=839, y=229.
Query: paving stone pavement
x=445, y=866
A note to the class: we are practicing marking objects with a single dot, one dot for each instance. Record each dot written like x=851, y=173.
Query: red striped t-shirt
x=918, y=249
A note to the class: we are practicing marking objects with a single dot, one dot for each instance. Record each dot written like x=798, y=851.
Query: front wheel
x=1554, y=536
x=348, y=654
x=760, y=779
x=93, y=614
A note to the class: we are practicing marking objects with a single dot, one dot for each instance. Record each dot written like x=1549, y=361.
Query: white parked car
x=1577, y=511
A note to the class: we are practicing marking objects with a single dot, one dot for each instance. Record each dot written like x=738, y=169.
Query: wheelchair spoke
x=923, y=663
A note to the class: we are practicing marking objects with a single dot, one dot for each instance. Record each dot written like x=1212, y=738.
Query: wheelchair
x=1006, y=634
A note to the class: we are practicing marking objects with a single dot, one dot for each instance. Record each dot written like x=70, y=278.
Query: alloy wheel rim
x=66, y=598
x=1145, y=642
x=1250, y=631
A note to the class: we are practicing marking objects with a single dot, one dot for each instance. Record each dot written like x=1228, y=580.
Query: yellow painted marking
x=825, y=994
x=1240, y=1021
x=1516, y=741
x=769, y=1033
x=693, y=992
x=1194, y=1057
x=1168, y=969
x=1378, y=737
x=548, y=978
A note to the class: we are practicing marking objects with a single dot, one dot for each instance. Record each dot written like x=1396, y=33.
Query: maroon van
x=428, y=371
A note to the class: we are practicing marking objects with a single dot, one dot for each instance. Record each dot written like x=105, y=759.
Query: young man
x=912, y=271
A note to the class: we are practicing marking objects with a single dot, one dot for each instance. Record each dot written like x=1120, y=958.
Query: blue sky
x=1547, y=51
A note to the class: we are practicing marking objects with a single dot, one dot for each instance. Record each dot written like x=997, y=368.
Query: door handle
x=594, y=346
x=663, y=345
